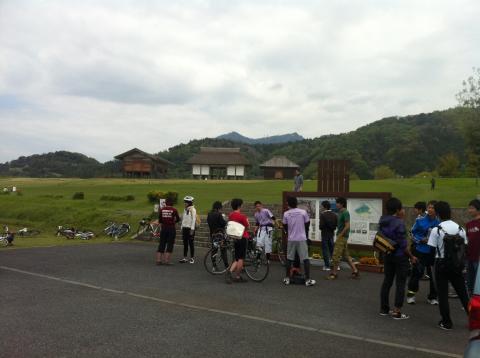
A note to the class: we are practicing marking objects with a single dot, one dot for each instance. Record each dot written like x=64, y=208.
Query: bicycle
x=72, y=233
x=6, y=239
x=148, y=230
x=220, y=254
x=25, y=232
x=116, y=230
x=278, y=245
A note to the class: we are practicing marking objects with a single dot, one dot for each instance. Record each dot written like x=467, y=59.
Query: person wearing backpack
x=420, y=233
x=189, y=224
x=449, y=240
x=328, y=225
x=473, y=248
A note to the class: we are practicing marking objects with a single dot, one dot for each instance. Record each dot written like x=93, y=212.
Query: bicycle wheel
x=256, y=265
x=217, y=260
x=122, y=231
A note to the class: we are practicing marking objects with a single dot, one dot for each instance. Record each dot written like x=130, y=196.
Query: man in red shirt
x=167, y=217
x=473, y=248
x=240, y=245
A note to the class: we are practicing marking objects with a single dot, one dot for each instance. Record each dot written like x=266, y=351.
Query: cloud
x=102, y=77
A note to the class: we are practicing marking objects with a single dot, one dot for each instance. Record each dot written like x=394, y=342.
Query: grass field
x=47, y=203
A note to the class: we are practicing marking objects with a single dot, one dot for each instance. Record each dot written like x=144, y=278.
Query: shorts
x=240, y=247
x=264, y=238
x=340, y=250
x=299, y=247
x=167, y=239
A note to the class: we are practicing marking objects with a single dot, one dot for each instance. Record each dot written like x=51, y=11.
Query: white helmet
x=189, y=199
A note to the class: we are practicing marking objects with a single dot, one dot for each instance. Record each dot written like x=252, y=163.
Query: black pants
x=418, y=270
x=396, y=268
x=188, y=241
x=442, y=278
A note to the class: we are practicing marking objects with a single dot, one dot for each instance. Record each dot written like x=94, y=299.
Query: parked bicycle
x=26, y=232
x=7, y=237
x=278, y=244
x=116, y=230
x=218, y=259
x=148, y=229
x=72, y=233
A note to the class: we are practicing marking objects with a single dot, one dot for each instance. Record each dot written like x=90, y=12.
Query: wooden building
x=138, y=164
x=279, y=167
x=218, y=163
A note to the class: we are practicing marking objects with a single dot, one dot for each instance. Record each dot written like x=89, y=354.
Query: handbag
x=235, y=230
x=383, y=244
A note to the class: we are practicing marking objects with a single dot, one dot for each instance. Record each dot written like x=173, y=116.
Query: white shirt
x=436, y=236
x=189, y=218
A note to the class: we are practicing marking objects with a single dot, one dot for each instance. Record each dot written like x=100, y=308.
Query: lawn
x=47, y=203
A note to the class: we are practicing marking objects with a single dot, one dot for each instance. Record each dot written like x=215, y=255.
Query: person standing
x=298, y=181
x=167, y=218
x=189, y=221
x=264, y=228
x=328, y=225
x=240, y=245
x=448, y=266
x=216, y=223
x=296, y=224
x=426, y=257
x=473, y=248
x=341, y=244
x=396, y=264
x=433, y=183
x=420, y=209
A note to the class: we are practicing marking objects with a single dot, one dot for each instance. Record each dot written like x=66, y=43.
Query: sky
x=102, y=77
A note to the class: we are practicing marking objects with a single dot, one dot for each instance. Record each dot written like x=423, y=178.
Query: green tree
x=383, y=172
x=469, y=97
x=448, y=166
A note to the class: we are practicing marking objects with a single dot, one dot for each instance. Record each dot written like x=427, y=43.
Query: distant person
x=296, y=223
x=167, y=218
x=433, y=183
x=240, y=245
x=216, y=223
x=447, y=238
x=341, y=244
x=298, y=181
x=396, y=264
x=473, y=248
x=264, y=228
x=424, y=253
x=328, y=225
x=189, y=221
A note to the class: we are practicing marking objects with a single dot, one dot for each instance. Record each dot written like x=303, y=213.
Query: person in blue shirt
x=420, y=233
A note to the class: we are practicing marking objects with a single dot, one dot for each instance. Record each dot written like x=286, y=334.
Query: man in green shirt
x=341, y=244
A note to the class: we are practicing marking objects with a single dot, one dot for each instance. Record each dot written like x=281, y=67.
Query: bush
x=383, y=172
x=79, y=195
x=155, y=196
x=117, y=198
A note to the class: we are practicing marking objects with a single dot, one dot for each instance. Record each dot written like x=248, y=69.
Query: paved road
x=111, y=301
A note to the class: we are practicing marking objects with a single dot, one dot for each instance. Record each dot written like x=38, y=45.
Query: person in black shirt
x=328, y=225
x=216, y=222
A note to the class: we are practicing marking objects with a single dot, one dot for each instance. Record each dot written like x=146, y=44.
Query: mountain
x=285, y=138
x=408, y=145
x=57, y=164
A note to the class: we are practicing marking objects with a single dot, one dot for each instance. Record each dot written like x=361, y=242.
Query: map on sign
x=364, y=217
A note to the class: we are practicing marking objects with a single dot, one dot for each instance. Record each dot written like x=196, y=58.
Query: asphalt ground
x=112, y=301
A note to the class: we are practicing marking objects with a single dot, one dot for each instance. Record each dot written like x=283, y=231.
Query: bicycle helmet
x=188, y=199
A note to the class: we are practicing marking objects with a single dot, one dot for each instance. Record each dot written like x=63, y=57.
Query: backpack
x=454, y=250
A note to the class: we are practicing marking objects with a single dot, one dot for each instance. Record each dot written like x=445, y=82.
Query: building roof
x=155, y=158
x=279, y=162
x=219, y=156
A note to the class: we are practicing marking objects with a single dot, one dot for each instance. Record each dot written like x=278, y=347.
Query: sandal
x=331, y=277
x=355, y=275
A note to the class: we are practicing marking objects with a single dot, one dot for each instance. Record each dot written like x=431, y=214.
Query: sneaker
x=399, y=316
x=325, y=268
x=411, y=300
x=183, y=261
x=286, y=281
x=191, y=261
x=310, y=282
x=432, y=301
x=446, y=327
x=386, y=313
